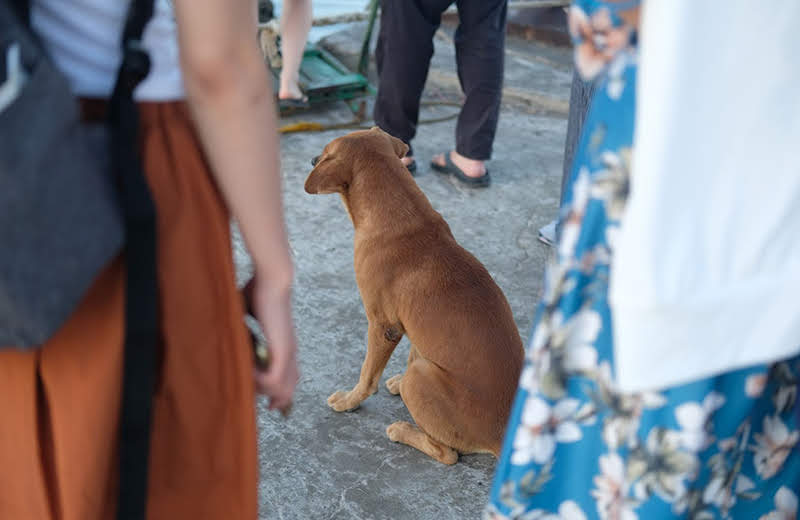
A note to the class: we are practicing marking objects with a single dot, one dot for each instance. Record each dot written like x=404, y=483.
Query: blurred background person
x=296, y=18
x=403, y=55
x=662, y=372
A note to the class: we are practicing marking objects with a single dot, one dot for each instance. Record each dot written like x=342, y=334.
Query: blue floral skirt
x=576, y=448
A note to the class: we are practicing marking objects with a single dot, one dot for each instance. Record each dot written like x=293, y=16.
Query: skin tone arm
x=295, y=24
x=230, y=96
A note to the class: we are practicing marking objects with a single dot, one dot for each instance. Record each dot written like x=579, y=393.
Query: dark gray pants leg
x=480, y=43
x=579, y=98
x=403, y=55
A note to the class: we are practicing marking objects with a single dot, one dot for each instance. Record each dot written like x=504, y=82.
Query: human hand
x=271, y=305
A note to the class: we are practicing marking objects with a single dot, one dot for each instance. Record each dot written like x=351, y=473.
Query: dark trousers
x=579, y=98
x=405, y=48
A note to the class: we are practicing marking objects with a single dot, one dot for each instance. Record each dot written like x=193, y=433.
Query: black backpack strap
x=23, y=9
x=141, y=306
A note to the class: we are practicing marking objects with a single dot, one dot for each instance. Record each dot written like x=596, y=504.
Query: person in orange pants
x=209, y=149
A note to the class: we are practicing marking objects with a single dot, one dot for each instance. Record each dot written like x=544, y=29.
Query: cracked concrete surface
x=320, y=464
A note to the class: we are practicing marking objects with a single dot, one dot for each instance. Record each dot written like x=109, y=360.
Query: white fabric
x=83, y=38
x=706, y=273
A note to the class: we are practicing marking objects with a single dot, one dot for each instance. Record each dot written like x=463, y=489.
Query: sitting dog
x=414, y=279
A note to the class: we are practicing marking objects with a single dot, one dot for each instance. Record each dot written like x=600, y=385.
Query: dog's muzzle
x=315, y=160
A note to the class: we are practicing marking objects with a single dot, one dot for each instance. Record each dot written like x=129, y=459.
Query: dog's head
x=334, y=170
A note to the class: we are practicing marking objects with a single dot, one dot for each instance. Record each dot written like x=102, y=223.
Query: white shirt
x=706, y=275
x=83, y=38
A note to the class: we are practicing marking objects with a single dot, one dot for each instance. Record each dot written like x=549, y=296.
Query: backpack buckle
x=135, y=63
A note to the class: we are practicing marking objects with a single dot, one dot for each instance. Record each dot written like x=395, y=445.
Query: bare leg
x=295, y=24
x=381, y=342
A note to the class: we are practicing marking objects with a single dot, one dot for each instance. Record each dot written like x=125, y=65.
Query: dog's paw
x=399, y=431
x=393, y=384
x=342, y=401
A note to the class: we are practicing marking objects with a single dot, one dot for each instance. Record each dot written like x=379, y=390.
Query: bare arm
x=230, y=96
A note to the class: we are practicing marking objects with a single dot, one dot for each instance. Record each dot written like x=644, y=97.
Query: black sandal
x=412, y=166
x=292, y=104
x=451, y=169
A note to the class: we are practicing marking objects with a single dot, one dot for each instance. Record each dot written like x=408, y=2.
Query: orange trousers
x=59, y=406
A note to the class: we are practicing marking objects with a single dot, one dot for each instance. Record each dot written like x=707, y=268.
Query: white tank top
x=83, y=38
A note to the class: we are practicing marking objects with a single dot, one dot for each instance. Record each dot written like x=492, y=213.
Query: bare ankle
x=470, y=167
x=290, y=92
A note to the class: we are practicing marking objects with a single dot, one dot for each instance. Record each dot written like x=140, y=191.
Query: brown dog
x=466, y=352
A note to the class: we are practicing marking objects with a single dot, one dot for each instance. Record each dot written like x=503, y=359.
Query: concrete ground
x=320, y=464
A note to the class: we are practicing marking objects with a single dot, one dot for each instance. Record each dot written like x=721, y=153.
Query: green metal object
x=324, y=79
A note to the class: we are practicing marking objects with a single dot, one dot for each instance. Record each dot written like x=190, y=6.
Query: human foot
x=409, y=162
x=470, y=172
x=290, y=97
x=290, y=102
x=470, y=167
x=290, y=90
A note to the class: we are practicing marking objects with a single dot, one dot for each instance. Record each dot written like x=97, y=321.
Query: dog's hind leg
x=447, y=412
x=393, y=383
x=407, y=433
x=381, y=342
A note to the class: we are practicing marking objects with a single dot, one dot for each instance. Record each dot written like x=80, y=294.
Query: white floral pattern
x=773, y=446
x=755, y=385
x=571, y=227
x=723, y=494
x=542, y=427
x=785, y=506
x=693, y=418
x=612, y=490
x=568, y=510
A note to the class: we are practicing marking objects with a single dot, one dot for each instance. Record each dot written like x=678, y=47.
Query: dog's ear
x=328, y=176
x=400, y=148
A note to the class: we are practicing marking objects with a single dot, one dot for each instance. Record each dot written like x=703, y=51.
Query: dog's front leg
x=381, y=342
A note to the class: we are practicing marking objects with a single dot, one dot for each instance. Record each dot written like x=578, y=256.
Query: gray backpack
x=61, y=219
x=67, y=208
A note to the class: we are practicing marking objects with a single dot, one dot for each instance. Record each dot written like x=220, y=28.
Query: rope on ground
x=523, y=4
x=536, y=101
x=524, y=56
x=527, y=4
x=358, y=123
